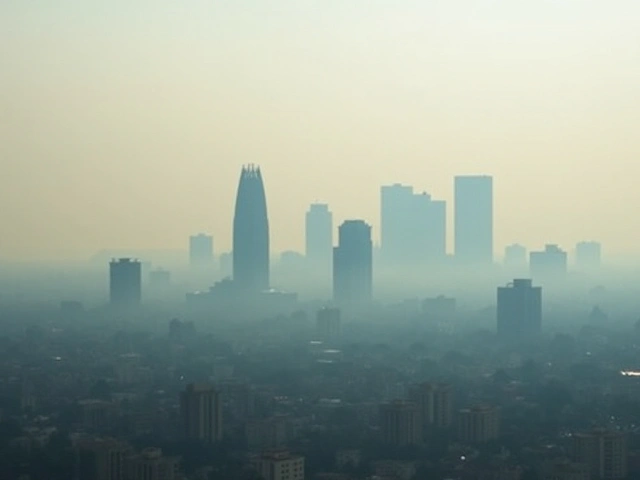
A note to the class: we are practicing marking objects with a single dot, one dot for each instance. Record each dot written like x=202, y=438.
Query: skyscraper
x=201, y=409
x=319, y=234
x=474, y=219
x=352, y=264
x=519, y=309
x=251, y=233
x=200, y=250
x=413, y=226
x=125, y=282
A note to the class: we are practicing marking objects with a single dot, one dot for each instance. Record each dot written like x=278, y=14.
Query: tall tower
x=251, y=233
x=125, y=282
x=319, y=234
x=352, y=264
x=474, y=219
x=201, y=410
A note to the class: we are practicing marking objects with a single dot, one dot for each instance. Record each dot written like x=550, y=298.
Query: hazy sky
x=125, y=123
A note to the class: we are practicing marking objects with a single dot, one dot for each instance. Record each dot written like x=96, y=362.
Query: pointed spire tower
x=251, y=233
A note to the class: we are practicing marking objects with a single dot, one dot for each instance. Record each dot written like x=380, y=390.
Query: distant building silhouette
x=201, y=409
x=200, y=250
x=515, y=256
x=435, y=403
x=473, y=218
x=251, y=233
x=400, y=422
x=604, y=451
x=551, y=263
x=413, y=227
x=319, y=235
x=352, y=264
x=125, y=282
x=478, y=424
x=588, y=255
x=519, y=309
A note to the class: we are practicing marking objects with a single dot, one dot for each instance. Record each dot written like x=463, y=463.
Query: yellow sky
x=125, y=123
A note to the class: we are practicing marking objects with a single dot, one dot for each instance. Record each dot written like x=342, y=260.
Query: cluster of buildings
x=413, y=233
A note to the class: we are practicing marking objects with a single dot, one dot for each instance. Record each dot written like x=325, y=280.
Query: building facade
x=413, y=227
x=473, y=218
x=279, y=465
x=478, y=424
x=434, y=402
x=605, y=452
x=400, y=421
x=353, y=264
x=548, y=264
x=319, y=235
x=519, y=309
x=251, y=233
x=201, y=410
x=125, y=282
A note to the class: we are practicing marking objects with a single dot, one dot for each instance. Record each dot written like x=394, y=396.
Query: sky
x=124, y=124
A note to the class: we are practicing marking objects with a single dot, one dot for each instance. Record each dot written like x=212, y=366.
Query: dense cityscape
x=380, y=361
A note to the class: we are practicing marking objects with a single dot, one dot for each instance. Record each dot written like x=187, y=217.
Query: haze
x=124, y=124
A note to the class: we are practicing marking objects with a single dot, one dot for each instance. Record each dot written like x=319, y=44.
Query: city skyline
x=149, y=126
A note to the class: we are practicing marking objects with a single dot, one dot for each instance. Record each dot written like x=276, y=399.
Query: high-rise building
x=519, y=309
x=434, y=402
x=319, y=235
x=353, y=264
x=413, y=227
x=279, y=465
x=201, y=409
x=549, y=264
x=588, y=255
x=604, y=451
x=251, y=233
x=200, y=250
x=515, y=256
x=400, y=423
x=125, y=282
x=102, y=458
x=328, y=323
x=151, y=464
x=478, y=424
x=473, y=219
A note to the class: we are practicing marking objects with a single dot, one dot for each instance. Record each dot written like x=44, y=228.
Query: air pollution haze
x=319, y=240
x=124, y=124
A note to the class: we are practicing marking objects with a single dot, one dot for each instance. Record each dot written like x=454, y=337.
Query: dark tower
x=251, y=233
